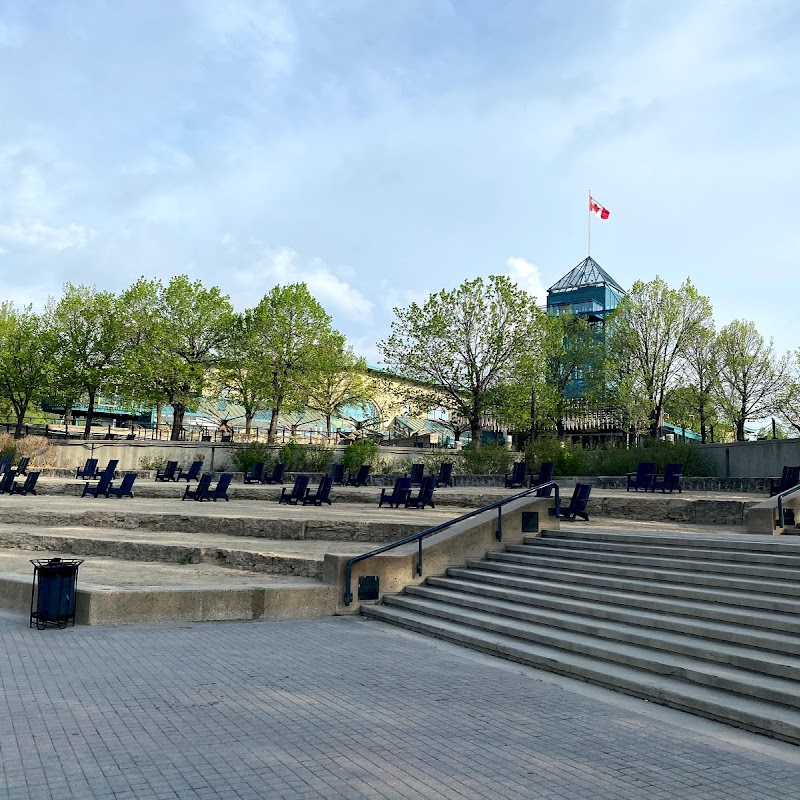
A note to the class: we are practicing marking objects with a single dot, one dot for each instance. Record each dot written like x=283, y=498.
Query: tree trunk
x=273, y=423
x=475, y=429
x=702, y=425
x=249, y=413
x=739, y=430
x=87, y=428
x=560, y=428
x=534, y=428
x=20, y=410
x=328, y=425
x=178, y=410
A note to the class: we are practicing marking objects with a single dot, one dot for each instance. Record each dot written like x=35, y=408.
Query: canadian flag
x=598, y=210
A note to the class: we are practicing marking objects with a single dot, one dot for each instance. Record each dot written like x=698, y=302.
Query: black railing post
x=499, y=532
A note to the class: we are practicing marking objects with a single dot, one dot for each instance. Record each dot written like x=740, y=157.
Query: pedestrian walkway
x=323, y=709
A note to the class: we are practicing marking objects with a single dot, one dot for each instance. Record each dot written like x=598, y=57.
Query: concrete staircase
x=707, y=624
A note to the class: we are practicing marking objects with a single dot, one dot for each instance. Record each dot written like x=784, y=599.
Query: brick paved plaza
x=340, y=708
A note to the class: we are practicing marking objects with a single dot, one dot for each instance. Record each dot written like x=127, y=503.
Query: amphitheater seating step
x=706, y=624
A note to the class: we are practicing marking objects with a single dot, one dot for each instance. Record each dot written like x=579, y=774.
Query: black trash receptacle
x=55, y=582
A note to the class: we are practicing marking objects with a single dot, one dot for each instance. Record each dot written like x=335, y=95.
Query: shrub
x=245, y=457
x=8, y=444
x=616, y=460
x=152, y=462
x=488, y=459
x=433, y=459
x=568, y=459
x=318, y=458
x=37, y=448
x=361, y=451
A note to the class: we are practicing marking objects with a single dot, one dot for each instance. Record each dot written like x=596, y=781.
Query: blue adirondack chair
x=361, y=478
x=337, y=474
x=191, y=474
x=416, y=474
x=168, y=473
x=202, y=486
x=22, y=467
x=297, y=493
x=643, y=477
x=110, y=467
x=125, y=489
x=101, y=487
x=88, y=470
x=322, y=495
x=277, y=474
x=516, y=479
x=578, y=503
x=545, y=476
x=398, y=495
x=5, y=463
x=670, y=480
x=445, y=476
x=7, y=481
x=28, y=487
x=256, y=473
x=425, y=495
x=220, y=491
x=788, y=480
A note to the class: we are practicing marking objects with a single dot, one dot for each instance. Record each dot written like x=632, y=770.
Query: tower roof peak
x=587, y=273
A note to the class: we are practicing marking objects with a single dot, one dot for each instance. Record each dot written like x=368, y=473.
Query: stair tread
x=615, y=648
x=551, y=586
x=751, y=712
x=722, y=648
x=637, y=559
x=734, y=541
x=664, y=574
x=658, y=548
x=606, y=604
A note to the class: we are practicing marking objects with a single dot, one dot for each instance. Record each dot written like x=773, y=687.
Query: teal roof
x=587, y=273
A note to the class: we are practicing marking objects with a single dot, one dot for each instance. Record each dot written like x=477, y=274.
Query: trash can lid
x=56, y=562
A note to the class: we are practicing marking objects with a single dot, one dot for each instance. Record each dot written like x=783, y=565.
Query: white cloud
x=47, y=237
x=285, y=266
x=528, y=277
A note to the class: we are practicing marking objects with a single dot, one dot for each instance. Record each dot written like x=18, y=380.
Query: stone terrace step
x=743, y=625
x=761, y=716
x=691, y=622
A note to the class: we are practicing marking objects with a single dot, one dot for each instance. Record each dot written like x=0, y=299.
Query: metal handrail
x=780, y=503
x=418, y=537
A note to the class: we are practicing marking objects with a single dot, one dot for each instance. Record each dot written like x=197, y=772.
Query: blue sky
x=384, y=149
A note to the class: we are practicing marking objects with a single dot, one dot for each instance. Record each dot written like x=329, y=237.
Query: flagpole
x=589, y=224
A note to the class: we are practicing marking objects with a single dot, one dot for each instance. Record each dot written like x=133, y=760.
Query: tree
x=788, y=396
x=461, y=345
x=245, y=368
x=750, y=374
x=25, y=359
x=340, y=380
x=294, y=327
x=701, y=374
x=650, y=335
x=86, y=327
x=175, y=335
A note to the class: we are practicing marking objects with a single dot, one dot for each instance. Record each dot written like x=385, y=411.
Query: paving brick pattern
x=331, y=708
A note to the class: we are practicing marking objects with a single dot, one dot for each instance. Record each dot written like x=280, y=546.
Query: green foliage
x=488, y=459
x=152, y=462
x=318, y=457
x=461, y=345
x=568, y=459
x=651, y=336
x=175, y=333
x=245, y=457
x=306, y=457
x=361, y=451
x=433, y=459
x=619, y=460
